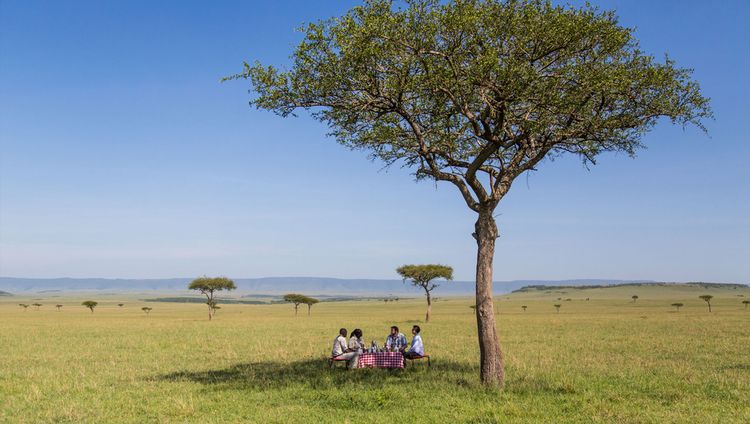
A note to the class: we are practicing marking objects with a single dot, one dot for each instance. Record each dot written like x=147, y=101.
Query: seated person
x=417, y=348
x=341, y=351
x=355, y=343
x=395, y=342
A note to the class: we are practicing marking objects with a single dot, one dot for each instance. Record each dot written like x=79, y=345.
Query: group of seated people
x=395, y=342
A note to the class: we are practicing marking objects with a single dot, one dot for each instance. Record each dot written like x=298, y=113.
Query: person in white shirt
x=417, y=348
x=341, y=351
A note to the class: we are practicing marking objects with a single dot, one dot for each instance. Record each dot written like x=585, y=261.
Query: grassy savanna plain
x=603, y=360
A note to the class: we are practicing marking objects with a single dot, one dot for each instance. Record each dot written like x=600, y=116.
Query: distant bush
x=677, y=305
x=24, y=306
x=557, y=306
x=524, y=308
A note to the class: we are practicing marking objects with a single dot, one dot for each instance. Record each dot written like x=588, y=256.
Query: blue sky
x=121, y=155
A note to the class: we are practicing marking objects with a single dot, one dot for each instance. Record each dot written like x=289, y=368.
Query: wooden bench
x=414, y=358
x=333, y=359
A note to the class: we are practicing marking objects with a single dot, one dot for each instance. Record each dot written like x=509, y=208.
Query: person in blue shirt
x=395, y=342
x=417, y=347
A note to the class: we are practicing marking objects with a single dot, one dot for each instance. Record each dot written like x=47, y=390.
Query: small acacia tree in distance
x=477, y=93
x=296, y=299
x=423, y=276
x=90, y=304
x=634, y=297
x=58, y=306
x=146, y=309
x=121, y=304
x=524, y=308
x=746, y=302
x=678, y=305
x=24, y=306
x=309, y=301
x=38, y=305
x=557, y=306
x=707, y=298
x=208, y=286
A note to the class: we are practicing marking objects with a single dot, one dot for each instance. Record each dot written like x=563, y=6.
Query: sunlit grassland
x=603, y=360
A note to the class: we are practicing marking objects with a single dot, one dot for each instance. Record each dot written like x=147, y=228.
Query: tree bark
x=491, y=358
x=209, y=302
x=429, y=308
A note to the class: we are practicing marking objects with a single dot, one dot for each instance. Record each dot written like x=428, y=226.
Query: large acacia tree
x=476, y=93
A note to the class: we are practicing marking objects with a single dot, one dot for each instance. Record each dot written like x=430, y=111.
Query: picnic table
x=381, y=360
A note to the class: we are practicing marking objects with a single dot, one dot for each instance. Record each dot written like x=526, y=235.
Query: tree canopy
x=476, y=93
x=423, y=275
x=476, y=87
x=212, y=284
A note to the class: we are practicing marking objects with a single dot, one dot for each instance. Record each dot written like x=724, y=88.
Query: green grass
x=602, y=360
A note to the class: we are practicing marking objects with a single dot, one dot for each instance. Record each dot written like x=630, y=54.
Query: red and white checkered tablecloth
x=381, y=360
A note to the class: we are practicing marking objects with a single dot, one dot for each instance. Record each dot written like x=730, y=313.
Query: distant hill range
x=280, y=285
x=702, y=285
x=2, y=293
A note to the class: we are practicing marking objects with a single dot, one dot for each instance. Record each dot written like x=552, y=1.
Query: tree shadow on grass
x=315, y=374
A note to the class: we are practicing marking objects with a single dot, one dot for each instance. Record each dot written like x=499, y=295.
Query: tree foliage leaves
x=476, y=92
x=423, y=275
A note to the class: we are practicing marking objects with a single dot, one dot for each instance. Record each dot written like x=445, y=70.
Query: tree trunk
x=709, y=306
x=308, y=309
x=429, y=308
x=295, y=309
x=491, y=358
x=209, y=302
